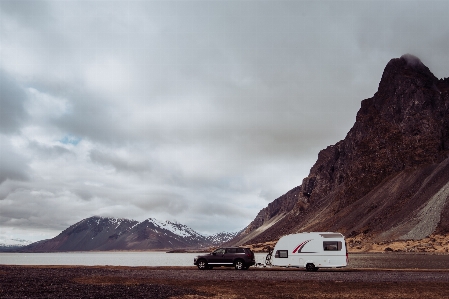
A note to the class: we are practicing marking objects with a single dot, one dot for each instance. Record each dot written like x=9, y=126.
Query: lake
x=99, y=258
x=366, y=260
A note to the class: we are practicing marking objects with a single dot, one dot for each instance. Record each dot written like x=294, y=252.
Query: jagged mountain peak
x=403, y=81
x=411, y=59
x=99, y=222
x=100, y=219
x=408, y=62
x=174, y=227
x=116, y=220
x=390, y=165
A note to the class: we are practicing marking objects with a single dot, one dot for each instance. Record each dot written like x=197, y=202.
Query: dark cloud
x=216, y=207
x=13, y=166
x=27, y=12
x=195, y=111
x=8, y=187
x=44, y=151
x=167, y=202
x=393, y=29
x=120, y=163
x=83, y=193
x=12, y=98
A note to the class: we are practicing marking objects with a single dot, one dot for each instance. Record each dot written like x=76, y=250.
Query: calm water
x=104, y=258
x=99, y=258
x=370, y=260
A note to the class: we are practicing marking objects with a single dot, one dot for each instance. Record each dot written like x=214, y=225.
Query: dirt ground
x=431, y=244
x=191, y=283
x=360, y=243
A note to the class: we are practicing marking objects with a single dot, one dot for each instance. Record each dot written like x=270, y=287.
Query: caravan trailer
x=310, y=250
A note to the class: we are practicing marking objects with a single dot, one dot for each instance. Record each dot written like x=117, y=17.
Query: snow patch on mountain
x=13, y=242
x=175, y=228
x=222, y=237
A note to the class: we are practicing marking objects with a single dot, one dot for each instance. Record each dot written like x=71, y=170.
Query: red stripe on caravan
x=300, y=246
x=294, y=251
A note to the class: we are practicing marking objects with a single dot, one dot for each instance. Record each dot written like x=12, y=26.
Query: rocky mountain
x=100, y=233
x=387, y=180
x=221, y=238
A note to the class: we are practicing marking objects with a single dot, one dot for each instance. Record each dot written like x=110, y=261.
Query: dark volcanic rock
x=404, y=125
x=269, y=215
x=398, y=143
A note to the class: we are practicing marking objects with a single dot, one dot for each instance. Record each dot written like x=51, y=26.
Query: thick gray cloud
x=12, y=98
x=126, y=163
x=13, y=166
x=195, y=111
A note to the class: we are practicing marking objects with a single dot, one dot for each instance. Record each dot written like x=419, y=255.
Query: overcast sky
x=200, y=112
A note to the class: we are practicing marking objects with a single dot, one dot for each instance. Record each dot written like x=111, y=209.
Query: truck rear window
x=332, y=245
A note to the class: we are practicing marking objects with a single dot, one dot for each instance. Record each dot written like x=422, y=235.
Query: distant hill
x=100, y=233
x=387, y=180
x=12, y=244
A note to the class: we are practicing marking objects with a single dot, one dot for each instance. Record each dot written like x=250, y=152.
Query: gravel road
x=422, y=261
x=282, y=274
x=191, y=283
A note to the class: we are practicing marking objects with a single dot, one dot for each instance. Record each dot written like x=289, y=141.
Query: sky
x=200, y=112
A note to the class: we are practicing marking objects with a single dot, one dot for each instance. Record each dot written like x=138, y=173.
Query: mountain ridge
x=381, y=182
x=105, y=234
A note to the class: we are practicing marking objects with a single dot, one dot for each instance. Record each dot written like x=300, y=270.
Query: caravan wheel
x=311, y=267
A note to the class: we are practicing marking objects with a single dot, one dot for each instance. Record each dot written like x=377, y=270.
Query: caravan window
x=332, y=245
x=281, y=253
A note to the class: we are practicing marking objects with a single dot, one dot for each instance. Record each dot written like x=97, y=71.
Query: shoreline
x=194, y=268
x=350, y=253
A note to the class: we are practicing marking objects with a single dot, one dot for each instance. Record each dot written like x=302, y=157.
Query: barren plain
x=221, y=283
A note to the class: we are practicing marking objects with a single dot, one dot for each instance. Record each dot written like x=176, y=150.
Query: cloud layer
x=197, y=111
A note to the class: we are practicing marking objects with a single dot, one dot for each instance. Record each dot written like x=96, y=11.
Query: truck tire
x=202, y=265
x=239, y=265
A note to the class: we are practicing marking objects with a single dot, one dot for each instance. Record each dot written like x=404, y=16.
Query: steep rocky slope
x=388, y=179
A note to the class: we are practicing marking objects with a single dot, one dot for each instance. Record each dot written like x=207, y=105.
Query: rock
x=376, y=180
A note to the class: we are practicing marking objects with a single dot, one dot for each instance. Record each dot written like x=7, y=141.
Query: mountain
x=387, y=180
x=102, y=233
x=221, y=238
x=12, y=244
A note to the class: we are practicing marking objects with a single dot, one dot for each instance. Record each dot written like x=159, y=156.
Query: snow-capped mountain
x=222, y=237
x=103, y=233
x=12, y=244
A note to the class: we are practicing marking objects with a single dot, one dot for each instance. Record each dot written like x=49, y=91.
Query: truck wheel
x=202, y=265
x=311, y=267
x=239, y=265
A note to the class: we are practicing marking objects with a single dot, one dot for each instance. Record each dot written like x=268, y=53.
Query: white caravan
x=310, y=250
